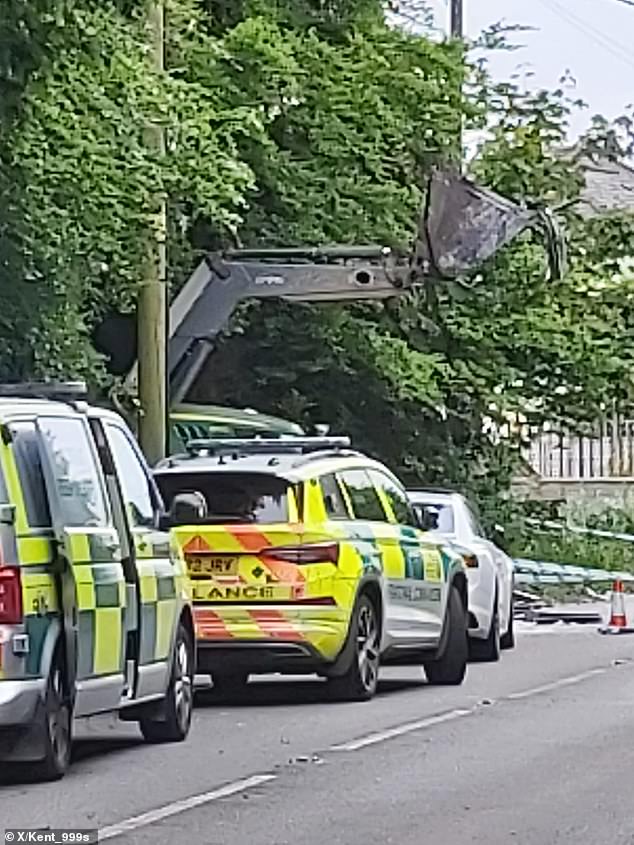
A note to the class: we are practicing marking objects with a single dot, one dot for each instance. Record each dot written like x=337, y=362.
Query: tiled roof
x=609, y=187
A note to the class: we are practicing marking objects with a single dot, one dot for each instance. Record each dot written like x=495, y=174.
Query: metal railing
x=605, y=451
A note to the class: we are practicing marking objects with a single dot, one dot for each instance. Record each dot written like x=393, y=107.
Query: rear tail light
x=471, y=561
x=310, y=553
x=10, y=595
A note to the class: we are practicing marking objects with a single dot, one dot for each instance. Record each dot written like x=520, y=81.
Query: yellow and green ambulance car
x=306, y=556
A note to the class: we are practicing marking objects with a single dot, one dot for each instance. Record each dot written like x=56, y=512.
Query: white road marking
x=399, y=730
x=238, y=786
x=182, y=806
x=563, y=682
x=452, y=715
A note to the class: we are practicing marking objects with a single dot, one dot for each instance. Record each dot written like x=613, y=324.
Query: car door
x=379, y=538
x=33, y=536
x=159, y=576
x=419, y=592
x=368, y=519
x=89, y=559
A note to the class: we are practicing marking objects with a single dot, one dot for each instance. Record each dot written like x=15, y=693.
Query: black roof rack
x=62, y=391
x=266, y=446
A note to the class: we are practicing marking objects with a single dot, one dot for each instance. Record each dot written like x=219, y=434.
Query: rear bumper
x=481, y=583
x=479, y=622
x=283, y=638
x=19, y=701
x=21, y=704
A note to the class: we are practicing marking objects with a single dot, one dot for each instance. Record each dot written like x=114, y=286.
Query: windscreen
x=231, y=496
x=435, y=516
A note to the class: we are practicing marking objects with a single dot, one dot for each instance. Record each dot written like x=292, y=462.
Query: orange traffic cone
x=618, y=617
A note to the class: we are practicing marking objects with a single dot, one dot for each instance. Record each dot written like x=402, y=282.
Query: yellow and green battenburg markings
x=409, y=543
x=101, y=602
x=367, y=546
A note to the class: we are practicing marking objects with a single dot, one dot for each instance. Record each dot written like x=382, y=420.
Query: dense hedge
x=291, y=123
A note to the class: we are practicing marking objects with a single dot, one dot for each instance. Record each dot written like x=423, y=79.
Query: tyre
x=360, y=681
x=56, y=726
x=488, y=650
x=507, y=640
x=450, y=666
x=179, y=698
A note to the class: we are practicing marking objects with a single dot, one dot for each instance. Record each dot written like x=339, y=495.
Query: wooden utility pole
x=457, y=19
x=152, y=299
x=456, y=30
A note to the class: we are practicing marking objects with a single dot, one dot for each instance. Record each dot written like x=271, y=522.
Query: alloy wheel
x=183, y=689
x=368, y=646
x=58, y=721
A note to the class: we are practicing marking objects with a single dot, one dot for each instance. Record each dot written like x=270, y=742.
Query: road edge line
x=166, y=811
x=400, y=730
x=562, y=682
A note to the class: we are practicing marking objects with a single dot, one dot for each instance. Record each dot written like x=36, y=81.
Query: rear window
x=28, y=460
x=231, y=496
x=435, y=516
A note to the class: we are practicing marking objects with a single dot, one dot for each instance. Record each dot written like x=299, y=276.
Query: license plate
x=212, y=565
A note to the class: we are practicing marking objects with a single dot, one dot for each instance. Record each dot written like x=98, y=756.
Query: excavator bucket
x=463, y=225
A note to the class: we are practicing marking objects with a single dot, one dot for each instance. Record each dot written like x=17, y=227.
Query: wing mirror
x=186, y=509
x=498, y=535
x=420, y=522
x=427, y=520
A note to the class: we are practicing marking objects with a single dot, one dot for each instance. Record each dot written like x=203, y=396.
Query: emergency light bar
x=266, y=446
x=63, y=391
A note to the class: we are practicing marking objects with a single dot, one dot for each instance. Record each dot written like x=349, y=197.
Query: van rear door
x=90, y=563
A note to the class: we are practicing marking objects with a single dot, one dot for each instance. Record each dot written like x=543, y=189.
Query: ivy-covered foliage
x=301, y=122
x=79, y=181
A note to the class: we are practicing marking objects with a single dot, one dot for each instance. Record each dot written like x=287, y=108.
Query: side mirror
x=420, y=522
x=7, y=514
x=331, y=503
x=187, y=509
x=427, y=521
x=498, y=535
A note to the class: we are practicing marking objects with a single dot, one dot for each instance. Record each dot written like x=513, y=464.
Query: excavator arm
x=461, y=226
x=204, y=306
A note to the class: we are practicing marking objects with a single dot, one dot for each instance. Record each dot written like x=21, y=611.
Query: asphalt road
x=536, y=750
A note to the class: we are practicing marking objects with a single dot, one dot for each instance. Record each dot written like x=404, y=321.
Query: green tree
x=416, y=382
x=304, y=123
x=78, y=176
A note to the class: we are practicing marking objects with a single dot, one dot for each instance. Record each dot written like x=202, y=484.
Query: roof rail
x=62, y=391
x=334, y=453
x=434, y=491
x=267, y=446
